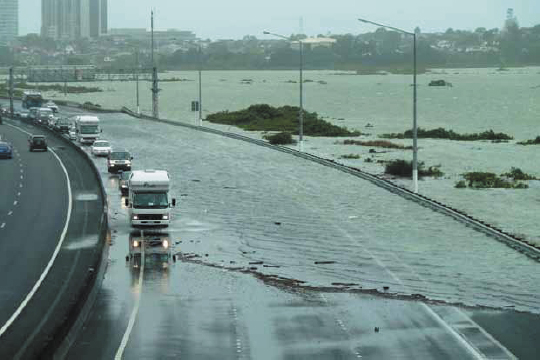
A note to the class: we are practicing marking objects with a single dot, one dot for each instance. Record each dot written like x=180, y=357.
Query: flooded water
x=241, y=204
x=480, y=99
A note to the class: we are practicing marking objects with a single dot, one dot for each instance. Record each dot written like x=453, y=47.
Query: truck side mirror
x=173, y=202
x=126, y=202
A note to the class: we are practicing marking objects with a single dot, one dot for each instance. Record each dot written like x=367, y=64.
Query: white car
x=72, y=135
x=101, y=148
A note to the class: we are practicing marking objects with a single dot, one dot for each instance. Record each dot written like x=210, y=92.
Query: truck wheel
x=174, y=258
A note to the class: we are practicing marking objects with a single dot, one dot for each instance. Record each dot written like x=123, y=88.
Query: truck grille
x=150, y=216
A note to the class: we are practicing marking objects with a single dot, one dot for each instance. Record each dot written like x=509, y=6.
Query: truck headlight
x=165, y=217
x=135, y=243
x=135, y=217
x=166, y=244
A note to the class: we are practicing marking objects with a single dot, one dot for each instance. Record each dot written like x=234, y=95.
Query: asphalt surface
x=37, y=220
x=283, y=259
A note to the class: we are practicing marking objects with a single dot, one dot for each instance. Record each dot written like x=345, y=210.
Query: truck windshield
x=120, y=156
x=89, y=129
x=153, y=200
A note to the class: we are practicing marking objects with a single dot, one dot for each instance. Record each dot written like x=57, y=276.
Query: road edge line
x=44, y=274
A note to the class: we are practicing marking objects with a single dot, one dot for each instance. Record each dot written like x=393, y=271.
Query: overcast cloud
x=219, y=19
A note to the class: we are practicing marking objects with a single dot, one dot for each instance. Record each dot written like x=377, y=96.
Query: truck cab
x=148, y=199
x=87, y=128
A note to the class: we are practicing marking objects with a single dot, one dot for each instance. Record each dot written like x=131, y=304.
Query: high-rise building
x=9, y=20
x=72, y=19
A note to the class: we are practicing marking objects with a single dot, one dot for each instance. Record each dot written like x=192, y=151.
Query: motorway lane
x=37, y=218
x=202, y=311
x=28, y=246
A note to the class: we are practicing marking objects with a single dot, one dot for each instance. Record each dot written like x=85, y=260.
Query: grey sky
x=218, y=19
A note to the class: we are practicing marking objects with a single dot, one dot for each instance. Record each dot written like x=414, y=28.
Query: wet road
x=276, y=253
x=42, y=221
x=32, y=183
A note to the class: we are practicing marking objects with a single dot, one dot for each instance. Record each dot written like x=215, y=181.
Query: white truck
x=148, y=198
x=87, y=128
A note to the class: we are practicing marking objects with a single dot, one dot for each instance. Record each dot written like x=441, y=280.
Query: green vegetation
x=4, y=91
x=282, y=138
x=441, y=133
x=59, y=88
x=517, y=174
x=531, y=142
x=350, y=156
x=264, y=117
x=488, y=180
x=403, y=168
x=376, y=143
x=461, y=184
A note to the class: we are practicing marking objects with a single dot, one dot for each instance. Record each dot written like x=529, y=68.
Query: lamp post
x=301, y=112
x=415, y=128
x=200, y=84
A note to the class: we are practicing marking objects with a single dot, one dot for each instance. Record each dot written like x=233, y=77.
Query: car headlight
x=166, y=244
x=135, y=217
x=124, y=186
x=135, y=243
x=165, y=217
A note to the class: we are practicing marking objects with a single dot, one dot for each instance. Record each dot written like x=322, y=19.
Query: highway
x=281, y=258
x=50, y=211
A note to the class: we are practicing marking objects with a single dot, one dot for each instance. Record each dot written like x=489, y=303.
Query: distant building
x=9, y=20
x=73, y=19
x=315, y=42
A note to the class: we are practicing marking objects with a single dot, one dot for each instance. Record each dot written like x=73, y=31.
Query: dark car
x=37, y=142
x=62, y=125
x=6, y=150
x=119, y=160
x=123, y=182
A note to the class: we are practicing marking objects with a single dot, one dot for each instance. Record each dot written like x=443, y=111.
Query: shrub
x=486, y=180
x=350, y=156
x=263, y=117
x=441, y=133
x=404, y=168
x=530, y=142
x=517, y=174
x=461, y=184
x=377, y=143
x=282, y=138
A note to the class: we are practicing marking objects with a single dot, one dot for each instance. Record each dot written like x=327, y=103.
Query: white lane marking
x=15, y=202
x=2, y=226
x=474, y=351
x=10, y=212
x=32, y=292
x=134, y=312
x=22, y=177
x=19, y=193
x=21, y=171
x=20, y=185
x=462, y=314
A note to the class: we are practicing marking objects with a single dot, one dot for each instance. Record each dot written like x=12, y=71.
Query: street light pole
x=200, y=85
x=301, y=116
x=137, y=83
x=301, y=111
x=415, y=128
